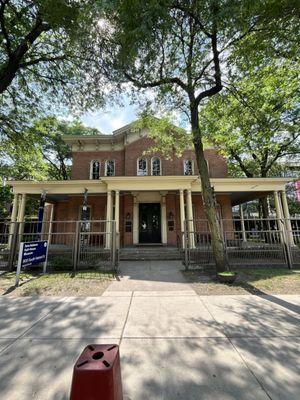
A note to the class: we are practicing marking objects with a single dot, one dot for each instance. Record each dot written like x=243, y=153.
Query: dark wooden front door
x=149, y=223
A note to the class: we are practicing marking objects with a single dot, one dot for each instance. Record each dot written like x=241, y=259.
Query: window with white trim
x=142, y=167
x=95, y=169
x=155, y=166
x=109, y=168
x=188, y=167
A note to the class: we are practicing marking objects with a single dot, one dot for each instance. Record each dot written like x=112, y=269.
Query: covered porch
x=146, y=209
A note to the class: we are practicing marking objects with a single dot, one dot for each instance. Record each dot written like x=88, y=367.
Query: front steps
x=145, y=253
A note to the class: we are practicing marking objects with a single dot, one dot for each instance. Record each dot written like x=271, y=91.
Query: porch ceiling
x=243, y=197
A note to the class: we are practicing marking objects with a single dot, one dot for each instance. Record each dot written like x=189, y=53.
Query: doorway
x=149, y=223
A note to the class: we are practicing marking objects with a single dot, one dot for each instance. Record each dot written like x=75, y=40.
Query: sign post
x=32, y=253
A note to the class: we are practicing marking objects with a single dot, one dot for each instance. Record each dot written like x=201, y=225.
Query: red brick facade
x=126, y=161
x=126, y=165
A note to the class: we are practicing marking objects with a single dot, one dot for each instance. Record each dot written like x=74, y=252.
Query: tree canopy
x=255, y=121
x=43, y=64
x=40, y=154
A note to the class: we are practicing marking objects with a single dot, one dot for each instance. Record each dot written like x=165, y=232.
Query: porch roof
x=235, y=186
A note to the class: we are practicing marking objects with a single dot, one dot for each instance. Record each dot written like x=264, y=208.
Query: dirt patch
x=56, y=284
x=250, y=281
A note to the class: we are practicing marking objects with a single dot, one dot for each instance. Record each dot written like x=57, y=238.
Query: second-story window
x=142, y=167
x=156, y=168
x=188, y=167
x=95, y=169
x=110, y=168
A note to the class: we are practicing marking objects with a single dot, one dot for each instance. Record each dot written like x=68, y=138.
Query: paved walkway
x=151, y=276
x=174, y=343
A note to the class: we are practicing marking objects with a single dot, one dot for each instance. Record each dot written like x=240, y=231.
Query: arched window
x=142, y=167
x=109, y=168
x=188, y=167
x=155, y=166
x=95, y=169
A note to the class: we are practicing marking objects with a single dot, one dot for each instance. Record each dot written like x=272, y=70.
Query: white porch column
x=287, y=217
x=117, y=210
x=279, y=215
x=163, y=220
x=182, y=214
x=117, y=217
x=108, y=218
x=189, y=205
x=50, y=223
x=21, y=213
x=13, y=218
x=135, y=220
x=243, y=223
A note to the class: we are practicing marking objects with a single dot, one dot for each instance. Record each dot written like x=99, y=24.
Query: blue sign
x=33, y=253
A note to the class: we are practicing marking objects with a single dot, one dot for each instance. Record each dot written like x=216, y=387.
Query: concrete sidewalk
x=150, y=276
x=174, y=344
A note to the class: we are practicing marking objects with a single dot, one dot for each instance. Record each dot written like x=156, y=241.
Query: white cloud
x=108, y=121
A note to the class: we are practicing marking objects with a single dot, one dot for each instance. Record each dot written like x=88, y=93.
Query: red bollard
x=97, y=374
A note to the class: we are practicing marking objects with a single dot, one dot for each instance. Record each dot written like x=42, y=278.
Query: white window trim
x=137, y=166
x=158, y=158
x=105, y=167
x=193, y=166
x=91, y=169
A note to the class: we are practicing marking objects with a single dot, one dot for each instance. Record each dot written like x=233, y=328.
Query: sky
x=115, y=117
x=106, y=121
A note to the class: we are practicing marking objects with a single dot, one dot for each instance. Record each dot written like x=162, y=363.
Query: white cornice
x=149, y=183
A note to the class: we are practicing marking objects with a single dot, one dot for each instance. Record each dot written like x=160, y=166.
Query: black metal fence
x=72, y=245
x=247, y=242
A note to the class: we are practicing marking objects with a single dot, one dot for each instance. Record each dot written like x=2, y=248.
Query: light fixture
x=171, y=215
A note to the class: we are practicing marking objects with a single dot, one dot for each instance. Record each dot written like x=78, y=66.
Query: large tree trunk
x=208, y=196
x=264, y=207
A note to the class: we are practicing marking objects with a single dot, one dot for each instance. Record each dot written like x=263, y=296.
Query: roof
x=117, y=135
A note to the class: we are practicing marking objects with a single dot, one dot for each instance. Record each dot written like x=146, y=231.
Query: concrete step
x=150, y=253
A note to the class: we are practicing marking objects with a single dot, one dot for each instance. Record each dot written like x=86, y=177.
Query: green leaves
x=255, y=121
x=44, y=65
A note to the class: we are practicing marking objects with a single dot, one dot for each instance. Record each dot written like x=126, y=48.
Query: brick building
x=148, y=196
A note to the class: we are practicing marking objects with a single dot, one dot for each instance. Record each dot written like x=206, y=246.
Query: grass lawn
x=253, y=281
x=87, y=283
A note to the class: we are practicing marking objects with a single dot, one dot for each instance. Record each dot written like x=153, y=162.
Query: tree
x=254, y=122
x=42, y=59
x=40, y=154
x=180, y=49
x=48, y=133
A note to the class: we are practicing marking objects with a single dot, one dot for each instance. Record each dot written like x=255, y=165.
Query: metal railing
x=75, y=245
x=248, y=242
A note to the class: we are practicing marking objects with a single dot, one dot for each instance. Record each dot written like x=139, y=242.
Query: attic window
x=95, y=169
x=142, y=167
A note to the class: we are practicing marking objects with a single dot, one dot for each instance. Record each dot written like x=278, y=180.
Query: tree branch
x=280, y=152
x=9, y=72
x=41, y=59
x=217, y=75
x=178, y=6
x=156, y=83
x=3, y=27
x=241, y=164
